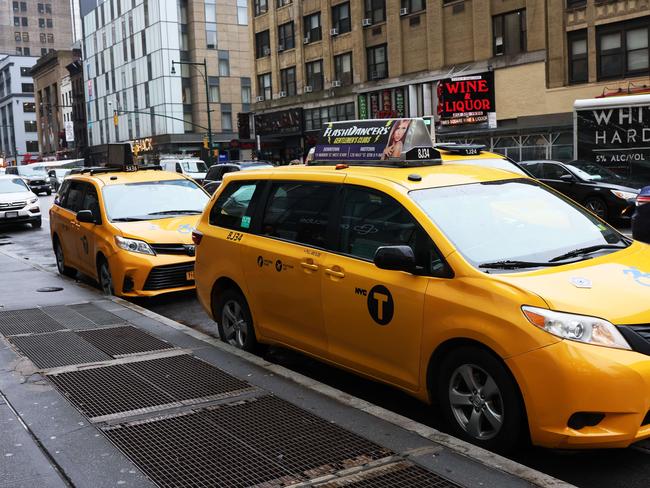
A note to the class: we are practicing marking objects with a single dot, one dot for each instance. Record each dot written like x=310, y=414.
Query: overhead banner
x=69, y=130
x=467, y=102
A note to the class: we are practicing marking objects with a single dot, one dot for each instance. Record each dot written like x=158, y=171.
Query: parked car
x=215, y=173
x=603, y=192
x=641, y=217
x=192, y=167
x=36, y=178
x=18, y=204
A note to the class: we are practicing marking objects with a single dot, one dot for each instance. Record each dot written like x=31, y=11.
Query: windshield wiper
x=127, y=219
x=585, y=250
x=509, y=264
x=176, y=212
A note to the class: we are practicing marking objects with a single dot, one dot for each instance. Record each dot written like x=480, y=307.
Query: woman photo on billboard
x=396, y=139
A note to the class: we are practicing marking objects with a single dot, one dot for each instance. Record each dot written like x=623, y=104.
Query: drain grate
x=68, y=317
x=186, y=451
x=98, y=315
x=396, y=475
x=185, y=377
x=303, y=443
x=57, y=349
x=28, y=321
x=109, y=390
x=122, y=341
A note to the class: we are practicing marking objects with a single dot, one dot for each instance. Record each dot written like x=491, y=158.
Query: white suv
x=18, y=204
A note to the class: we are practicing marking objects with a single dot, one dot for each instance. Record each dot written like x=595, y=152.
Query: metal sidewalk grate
x=122, y=341
x=98, y=315
x=185, y=377
x=68, y=317
x=187, y=451
x=397, y=475
x=57, y=349
x=109, y=390
x=303, y=443
x=28, y=321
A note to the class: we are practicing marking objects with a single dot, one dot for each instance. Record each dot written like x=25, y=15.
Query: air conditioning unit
x=308, y=89
x=283, y=94
x=404, y=11
x=305, y=40
x=366, y=22
x=336, y=83
x=266, y=51
x=334, y=32
x=260, y=99
x=280, y=48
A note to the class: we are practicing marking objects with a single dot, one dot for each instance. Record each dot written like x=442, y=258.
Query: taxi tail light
x=641, y=199
x=196, y=237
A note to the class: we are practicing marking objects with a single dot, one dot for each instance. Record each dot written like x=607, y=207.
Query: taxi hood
x=174, y=230
x=614, y=287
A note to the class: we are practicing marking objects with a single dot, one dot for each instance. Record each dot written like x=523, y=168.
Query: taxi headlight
x=581, y=328
x=33, y=200
x=624, y=195
x=133, y=245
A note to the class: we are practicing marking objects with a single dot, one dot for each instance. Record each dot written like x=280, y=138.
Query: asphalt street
x=629, y=468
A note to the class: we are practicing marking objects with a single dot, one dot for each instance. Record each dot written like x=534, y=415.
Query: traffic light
x=206, y=142
x=115, y=118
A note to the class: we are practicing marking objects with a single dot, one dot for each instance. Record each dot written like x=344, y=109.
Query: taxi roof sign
x=386, y=142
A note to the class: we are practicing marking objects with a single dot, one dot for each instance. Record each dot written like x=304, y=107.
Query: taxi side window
x=91, y=202
x=554, y=171
x=63, y=194
x=299, y=212
x=233, y=209
x=74, y=197
x=178, y=168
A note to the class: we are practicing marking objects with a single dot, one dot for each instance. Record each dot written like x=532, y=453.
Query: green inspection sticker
x=245, y=222
x=602, y=227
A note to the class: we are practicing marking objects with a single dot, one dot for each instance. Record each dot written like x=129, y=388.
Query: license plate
x=11, y=215
x=189, y=276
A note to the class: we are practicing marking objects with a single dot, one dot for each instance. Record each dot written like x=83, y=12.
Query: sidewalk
x=98, y=393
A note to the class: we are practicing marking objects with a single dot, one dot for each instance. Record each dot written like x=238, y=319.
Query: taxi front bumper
x=143, y=275
x=569, y=379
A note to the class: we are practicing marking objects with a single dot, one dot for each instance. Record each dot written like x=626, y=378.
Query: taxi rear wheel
x=105, y=279
x=234, y=321
x=480, y=400
x=60, y=261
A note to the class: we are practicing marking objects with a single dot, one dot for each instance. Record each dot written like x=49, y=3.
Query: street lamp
x=207, y=98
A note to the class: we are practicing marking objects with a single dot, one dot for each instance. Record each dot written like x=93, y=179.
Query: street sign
x=69, y=130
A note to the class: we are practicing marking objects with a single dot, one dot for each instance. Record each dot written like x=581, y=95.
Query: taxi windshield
x=194, y=166
x=153, y=200
x=14, y=185
x=514, y=224
x=497, y=163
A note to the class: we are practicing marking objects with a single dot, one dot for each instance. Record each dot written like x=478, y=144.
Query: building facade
x=34, y=28
x=18, y=134
x=78, y=110
x=129, y=48
x=521, y=64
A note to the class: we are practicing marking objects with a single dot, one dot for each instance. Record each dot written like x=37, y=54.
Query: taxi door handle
x=310, y=266
x=336, y=273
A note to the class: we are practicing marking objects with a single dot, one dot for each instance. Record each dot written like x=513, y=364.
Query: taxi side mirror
x=396, y=258
x=86, y=216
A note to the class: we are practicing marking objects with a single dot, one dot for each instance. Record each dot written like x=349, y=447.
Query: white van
x=192, y=167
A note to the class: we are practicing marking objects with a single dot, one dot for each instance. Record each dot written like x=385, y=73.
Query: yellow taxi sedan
x=129, y=230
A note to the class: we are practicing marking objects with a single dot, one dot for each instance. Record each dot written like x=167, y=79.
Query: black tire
x=36, y=224
x=242, y=336
x=60, y=260
x=597, y=206
x=49, y=192
x=104, y=277
x=475, y=421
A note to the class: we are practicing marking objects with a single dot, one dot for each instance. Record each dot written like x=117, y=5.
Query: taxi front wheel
x=234, y=321
x=480, y=400
x=105, y=279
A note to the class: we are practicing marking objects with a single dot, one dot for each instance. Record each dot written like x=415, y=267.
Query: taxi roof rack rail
x=458, y=148
x=112, y=169
x=381, y=163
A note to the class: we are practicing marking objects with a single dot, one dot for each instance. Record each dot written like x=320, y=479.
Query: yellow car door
x=373, y=317
x=67, y=225
x=87, y=232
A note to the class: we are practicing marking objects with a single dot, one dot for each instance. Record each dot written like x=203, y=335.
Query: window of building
x=30, y=126
x=25, y=72
x=15, y=6
x=312, y=27
x=213, y=86
x=623, y=49
x=27, y=87
x=260, y=6
x=288, y=81
x=414, y=5
x=41, y=23
x=43, y=51
x=26, y=51
x=25, y=36
x=226, y=117
x=17, y=37
x=509, y=33
x=23, y=22
x=343, y=68
x=50, y=38
x=211, y=35
x=262, y=44
x=246, y=90
x=341, y=18
x=286, y=37
x=377, y=62
x=23, y=6
x=49, y=23
x=282, y=3
x=376, y=10
x=29, y=107
x=264, y=88
x=575, y=3
x=578, y=57
x=224, y=63
x=17, y=21
x=31, y=146
x=42, y=38
x=314, y=74
x=242, y=12
x=315, y=118
x=210, y=11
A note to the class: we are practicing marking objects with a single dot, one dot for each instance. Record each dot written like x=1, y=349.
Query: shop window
x=509, y=33
x=312, y=28
x=286, y=37
x=314, y=75
x=623, y=49
x=264, y=88
x=260, y=7
x=377, y=62
x=341, y=18
x=578, y=57
x=343, y=68
x=288, y=81
x=376, y=11
x=262, y=44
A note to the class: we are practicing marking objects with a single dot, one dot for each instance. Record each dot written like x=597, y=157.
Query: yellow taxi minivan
x=514, y=310
x=129, y=228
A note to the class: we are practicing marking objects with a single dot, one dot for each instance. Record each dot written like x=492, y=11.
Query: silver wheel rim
x=596, y=207
x=476, y=402
x=105, y=279
x=234, y=325
x=58, y=254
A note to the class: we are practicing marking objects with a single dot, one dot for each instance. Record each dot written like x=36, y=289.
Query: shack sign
x=467, y=100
